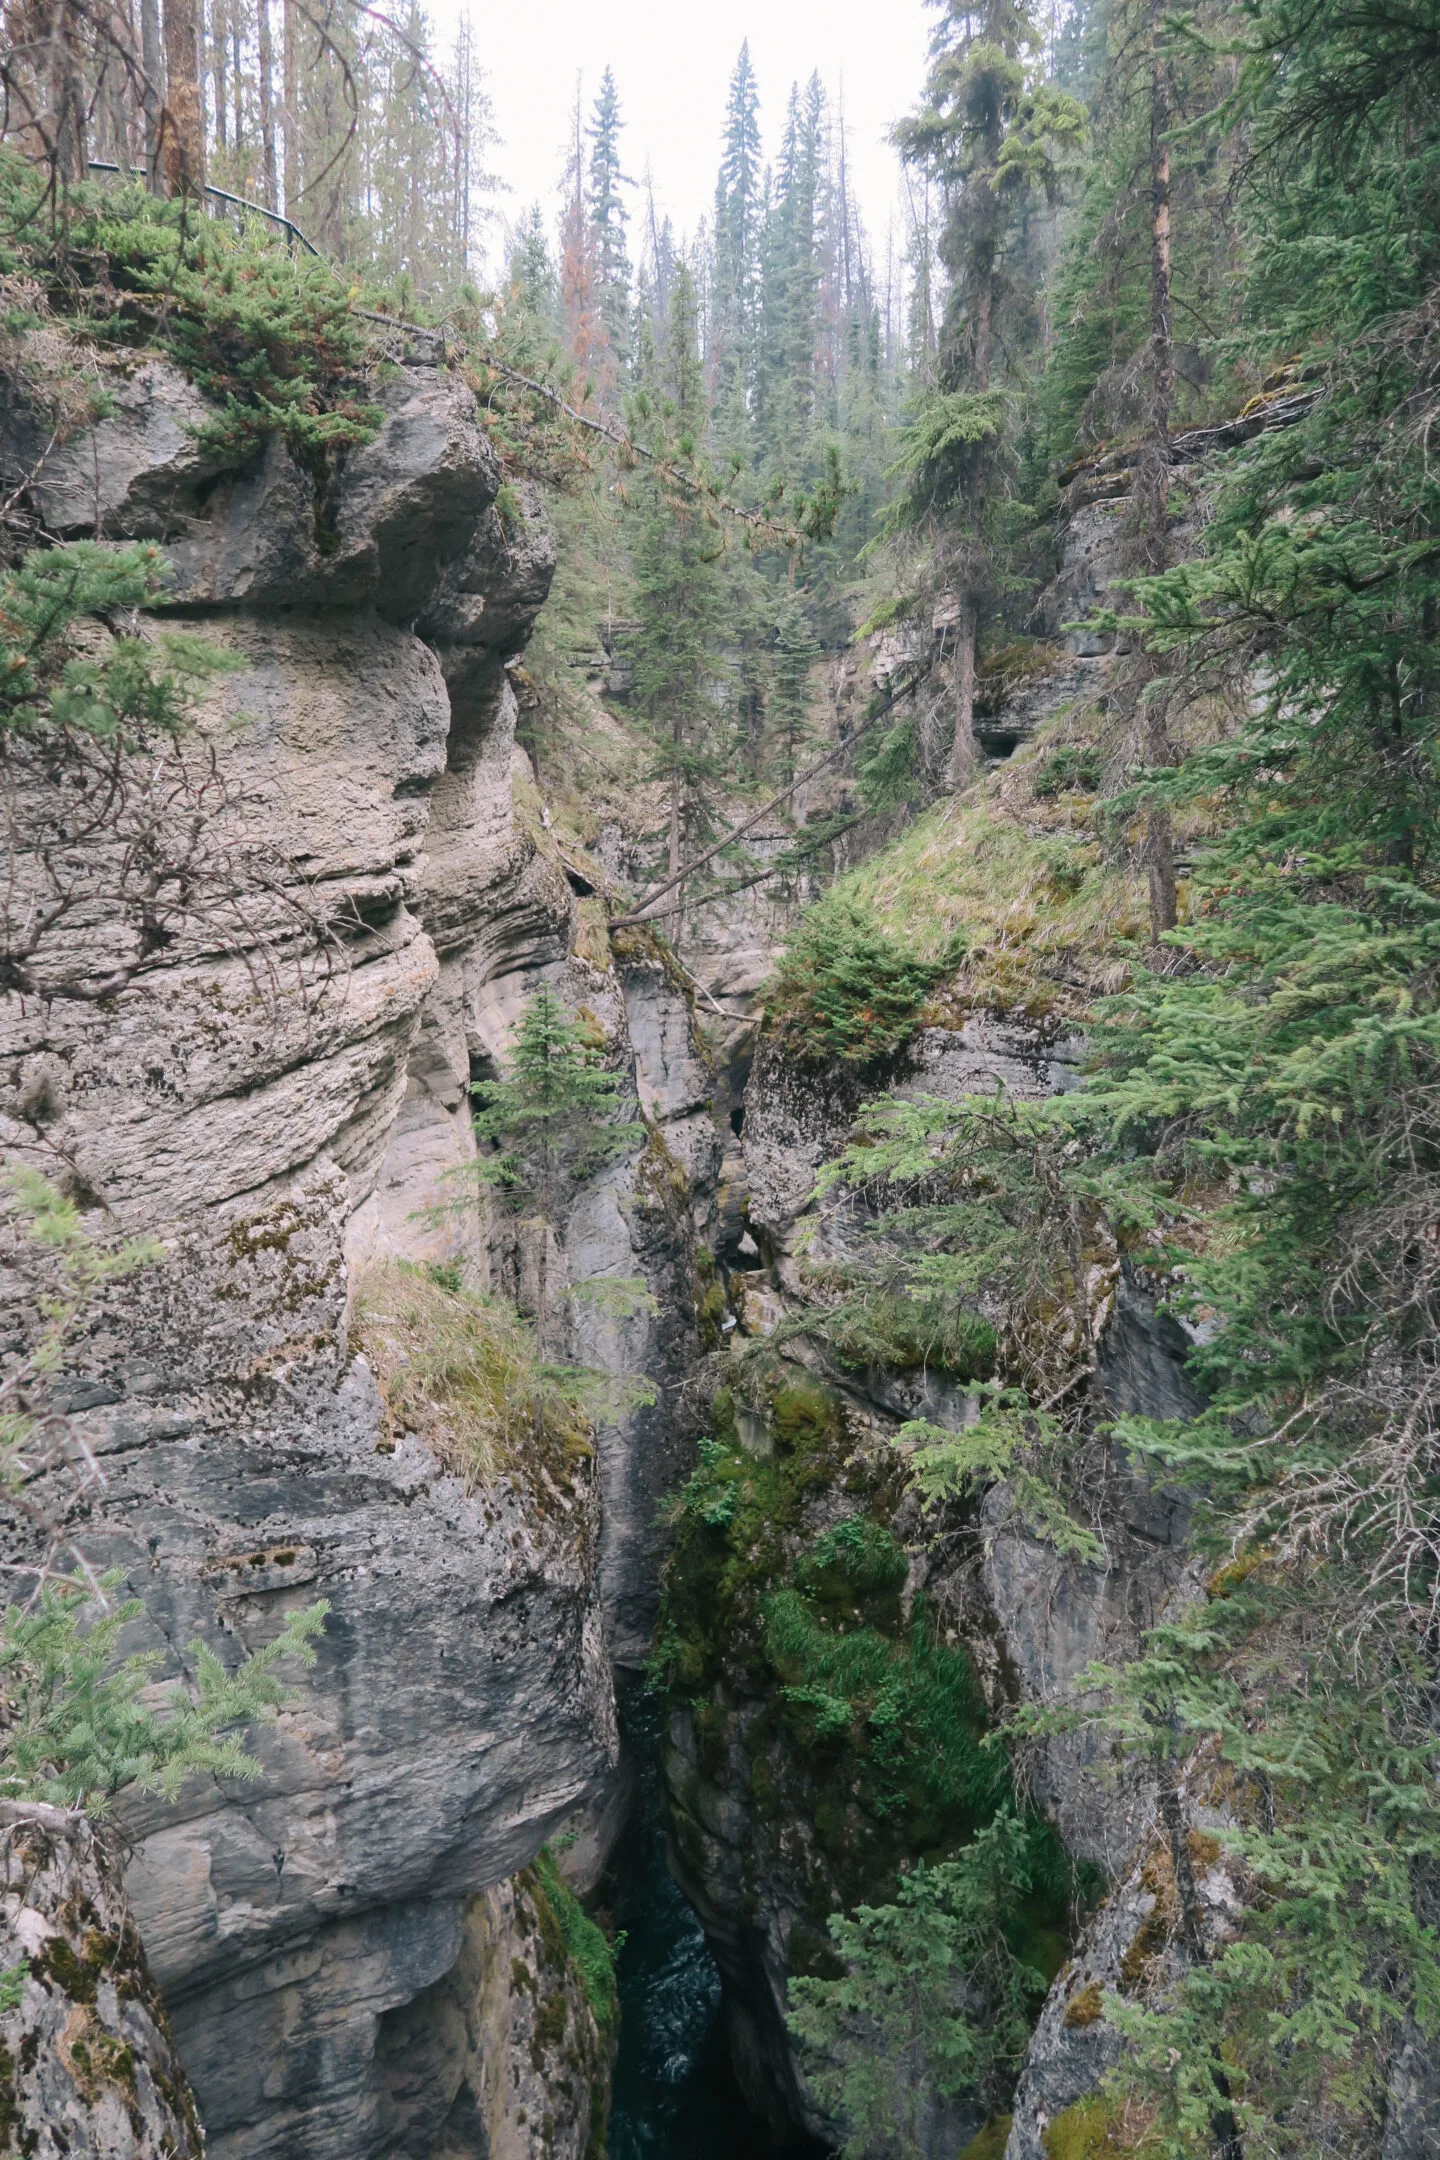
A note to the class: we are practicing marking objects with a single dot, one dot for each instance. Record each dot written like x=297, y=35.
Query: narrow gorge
x=719, y=1012
x=357, y=1955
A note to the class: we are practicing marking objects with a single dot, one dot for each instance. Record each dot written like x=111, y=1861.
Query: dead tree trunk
x=154, y=93
x=963, y=752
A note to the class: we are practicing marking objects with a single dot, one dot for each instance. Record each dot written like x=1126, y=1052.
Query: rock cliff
x=775, y=1827
x=771, y=1835
x=277, y=1090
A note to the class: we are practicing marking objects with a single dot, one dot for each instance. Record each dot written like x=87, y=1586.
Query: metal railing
x=240, y=202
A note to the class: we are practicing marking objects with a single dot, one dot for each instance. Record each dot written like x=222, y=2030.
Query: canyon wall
x=277, y=1091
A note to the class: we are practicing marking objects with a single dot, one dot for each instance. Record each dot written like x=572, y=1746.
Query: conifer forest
x=720, y=1093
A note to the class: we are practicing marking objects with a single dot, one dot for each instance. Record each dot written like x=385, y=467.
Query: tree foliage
x=85, y=1723
x=938, y=1994
x=844, y=988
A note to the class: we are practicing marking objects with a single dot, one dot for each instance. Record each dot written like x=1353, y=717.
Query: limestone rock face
x=377, y=528
x=87, y=2063
x=1136, y=1945
x=279, y=1094
x=137, y=474
x=513, y=2013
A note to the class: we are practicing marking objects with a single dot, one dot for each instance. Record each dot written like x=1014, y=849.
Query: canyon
x=356, y=1955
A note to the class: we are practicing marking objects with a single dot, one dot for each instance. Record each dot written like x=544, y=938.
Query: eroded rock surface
x=766, y=1848
x=87, y=2061
x=281, y=1098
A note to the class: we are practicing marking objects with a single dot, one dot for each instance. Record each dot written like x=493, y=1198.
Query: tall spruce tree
x=790, y=282
x=609, y=218
x=990, y=137
x=678, y=595
x=553, y=1116
x=739, y=198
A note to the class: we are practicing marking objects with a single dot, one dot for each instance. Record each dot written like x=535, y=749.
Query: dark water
x=675, y=2094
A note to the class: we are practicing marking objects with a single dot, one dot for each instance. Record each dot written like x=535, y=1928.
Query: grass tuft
x=462, y=1371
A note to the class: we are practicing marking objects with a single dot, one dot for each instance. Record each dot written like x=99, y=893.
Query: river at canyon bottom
x=675, y=2095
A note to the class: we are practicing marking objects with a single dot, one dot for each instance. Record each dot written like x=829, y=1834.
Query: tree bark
x=674, y=865
x=123, y=89
x=218, y=37
x=182, y=131
x=984, y=316
x=267, y=104
x=1160, y=870
x=961, y=767
x=60, y=84
x=290, y=119
x=154, y=93
x=1154, y=477
x=963, y=753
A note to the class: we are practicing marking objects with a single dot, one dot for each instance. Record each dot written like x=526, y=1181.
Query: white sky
x=673, y=60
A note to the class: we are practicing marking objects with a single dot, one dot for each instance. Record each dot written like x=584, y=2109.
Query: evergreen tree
x=554, y=1118
x=609, y=218
x=1154, y=244
x=795, y=652
x=678, y=595
x=738, y=224
x=579, y=272
x=990, y=137
x=531, y=269
x=790, y=281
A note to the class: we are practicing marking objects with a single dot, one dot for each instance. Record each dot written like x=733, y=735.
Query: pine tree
x=678, y=596
x=990, y=138
x=794, y=655
x=609, y=218
x=554, y=1117
x=790, y=280
x=738, y=219
x=579, y=275
x=531, y=270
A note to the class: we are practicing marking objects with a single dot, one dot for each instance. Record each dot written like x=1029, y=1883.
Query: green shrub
x=902, y=1330
x=269, y=338
x=1075, y=768
x=130, y=692
x=846, y=989
x=78, y=1730
x=937, y=1993
x=857, y=1559
x=906, y=1701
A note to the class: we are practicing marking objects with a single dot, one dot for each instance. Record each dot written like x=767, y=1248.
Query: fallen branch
x=641, y=914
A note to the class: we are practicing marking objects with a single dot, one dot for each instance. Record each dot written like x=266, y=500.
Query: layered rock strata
x=278, y=1092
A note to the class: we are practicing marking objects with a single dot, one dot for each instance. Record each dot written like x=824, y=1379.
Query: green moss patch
x=991, y=2142
x=903, y=1332
x=1097, y=2128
